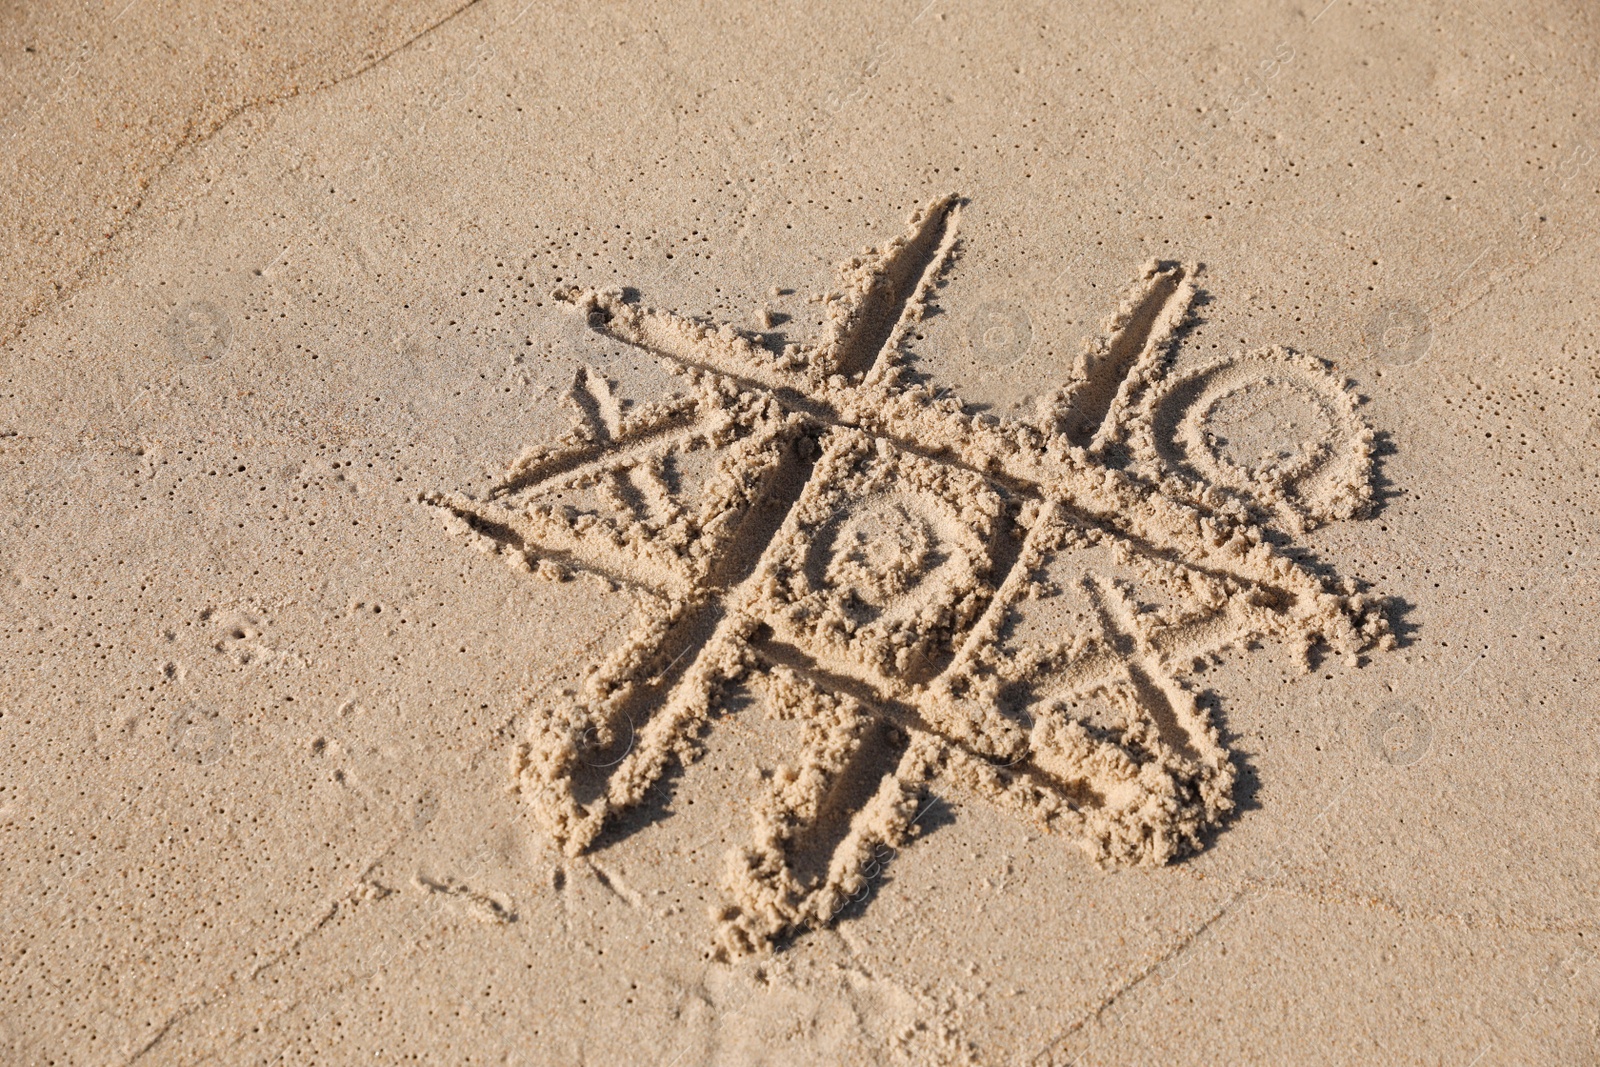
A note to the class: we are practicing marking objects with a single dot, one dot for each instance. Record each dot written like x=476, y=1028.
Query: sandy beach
x=952, y=534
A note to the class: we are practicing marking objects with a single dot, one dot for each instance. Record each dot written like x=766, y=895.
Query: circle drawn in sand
x=1264, y=430
x=889, y=559
x=198, y=735
x=880, y=551
x=1273, y=426
x=1399, y=734
x=198, y=331
x=1398, y=334
x=999, y=332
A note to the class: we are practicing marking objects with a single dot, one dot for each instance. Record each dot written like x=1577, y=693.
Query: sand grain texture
x=943, y=535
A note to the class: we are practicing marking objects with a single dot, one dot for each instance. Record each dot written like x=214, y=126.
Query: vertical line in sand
x=708, y=621
x=1147, y=319
x=906, y=271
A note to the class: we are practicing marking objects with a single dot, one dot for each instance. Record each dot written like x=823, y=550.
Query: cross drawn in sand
x=919, y=592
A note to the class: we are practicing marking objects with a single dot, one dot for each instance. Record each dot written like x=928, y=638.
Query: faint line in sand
x=1531, y=603
x=80, y=274
x=226, y=988
x=1182, y=950
x=751, y=995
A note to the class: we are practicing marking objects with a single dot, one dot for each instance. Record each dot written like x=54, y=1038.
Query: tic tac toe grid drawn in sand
x=1007, y=607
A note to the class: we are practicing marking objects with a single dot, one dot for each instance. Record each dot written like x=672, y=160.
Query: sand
x=947, y=535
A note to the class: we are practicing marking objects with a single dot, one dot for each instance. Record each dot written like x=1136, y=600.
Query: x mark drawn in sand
x=1010, y=607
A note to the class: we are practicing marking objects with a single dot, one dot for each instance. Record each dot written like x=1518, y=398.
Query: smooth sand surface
x=777, y=534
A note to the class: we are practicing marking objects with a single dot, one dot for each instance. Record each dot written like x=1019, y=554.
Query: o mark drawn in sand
x=1008, y=607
